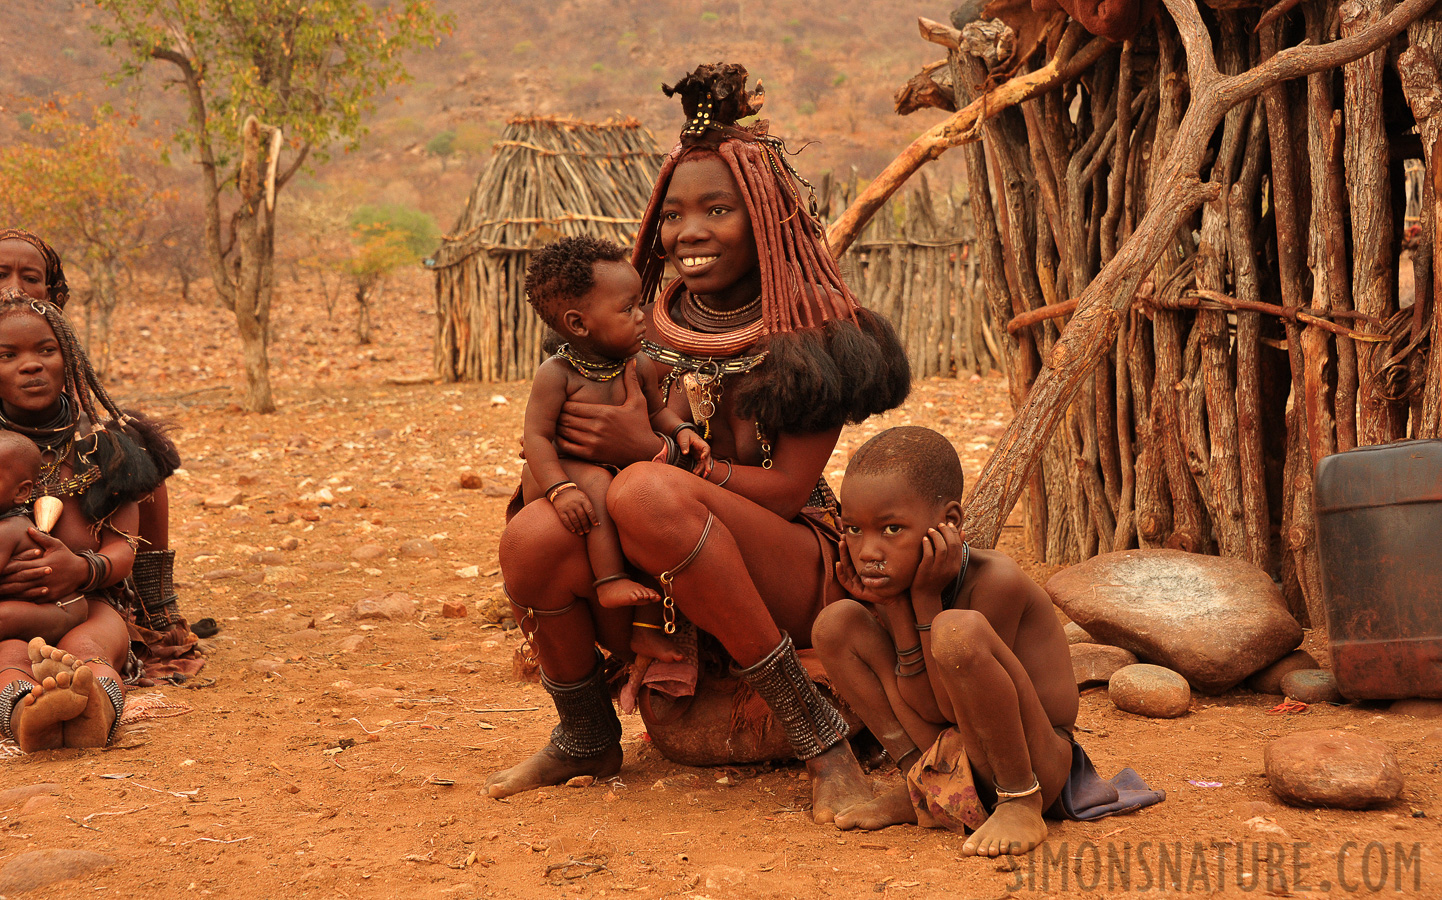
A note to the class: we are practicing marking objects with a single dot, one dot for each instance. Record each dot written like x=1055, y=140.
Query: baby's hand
x=574, y=508
x=942, y=550
x=693, y=446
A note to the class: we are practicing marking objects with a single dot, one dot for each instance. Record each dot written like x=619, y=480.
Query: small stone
x=375, y=693
x=1151, y=691
x=38, y=868
x=1434, y=736
x=1311, y=686
x=351, y=643
x=310, y=515
x=581, y=781
x=328, y=567
x=1075, y=634
x=283, y=518
x=497, y=490
x=292, y=789
x=419, y=548
x=395, y=606
x=498, y=400
x=222, y=499
x=471, y=481
x=453, y=609
x=17, y=795
x=290, y=543
x=1418, y=708
x=1333, y=769
x=38, y=803
x=381, y=434
x=721, y=876
x=469, y=572
x=1269, y=680
x=368, y=551
x=221, y=574
x=1097, y=663
x=267, y=666
x=268, y=558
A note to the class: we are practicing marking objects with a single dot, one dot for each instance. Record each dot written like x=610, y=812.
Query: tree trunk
x=255, y=263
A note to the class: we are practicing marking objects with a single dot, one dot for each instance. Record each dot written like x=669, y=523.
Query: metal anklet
x=1003, y=796
x=10, y=697
x=668, y=603
x=117, y=700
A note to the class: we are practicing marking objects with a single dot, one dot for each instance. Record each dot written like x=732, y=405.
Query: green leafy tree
x=267, y=84
x=383, y=239
x=72, y=178
x=442, y=146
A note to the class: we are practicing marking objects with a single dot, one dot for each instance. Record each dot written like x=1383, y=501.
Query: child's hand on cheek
x=942, y=550
x=851, y=582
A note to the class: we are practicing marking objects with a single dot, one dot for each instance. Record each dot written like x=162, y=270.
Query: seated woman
x=69, y=695
x=773, y=355
x=32, y=267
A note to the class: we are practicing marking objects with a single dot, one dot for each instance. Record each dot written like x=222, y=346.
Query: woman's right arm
x=614, y=435
x=797, y=461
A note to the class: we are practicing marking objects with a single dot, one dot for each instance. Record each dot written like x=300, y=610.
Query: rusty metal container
x=1379, y=530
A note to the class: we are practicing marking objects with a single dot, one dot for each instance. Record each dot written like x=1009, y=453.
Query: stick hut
x=1198, y=236
x=548, y=178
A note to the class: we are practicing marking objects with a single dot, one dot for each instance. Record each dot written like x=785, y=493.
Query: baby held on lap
x=20, y=465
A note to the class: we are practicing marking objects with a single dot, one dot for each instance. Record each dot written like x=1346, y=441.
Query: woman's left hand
x=54, y=574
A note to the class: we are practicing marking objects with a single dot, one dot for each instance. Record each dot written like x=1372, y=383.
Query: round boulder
x=1097, y=663
x=1269, y=680
x=1312, y=686
x=1333, y=768
x=1212, y=619
x=1151, y=691
x=1075, y=634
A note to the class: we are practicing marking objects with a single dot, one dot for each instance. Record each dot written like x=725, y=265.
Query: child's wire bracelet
x=547, y=491
x=559, y=489
x=920, y=664
x=676, y=432
x=921, y=627
x=729, y=469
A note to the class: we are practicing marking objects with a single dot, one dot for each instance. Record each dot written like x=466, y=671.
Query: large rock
x=1333, y=768
x=1312, y=686
x=1075, y=634
x=1269, y=680
x=38, y=868
x=1097, y=663
x=1211, y=619
x=1150, y=691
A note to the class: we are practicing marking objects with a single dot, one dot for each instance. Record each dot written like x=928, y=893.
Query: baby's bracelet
x=559, y=489
x=676, y=432
x=729, y=469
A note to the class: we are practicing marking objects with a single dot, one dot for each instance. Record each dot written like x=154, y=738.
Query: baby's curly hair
x=561, y=273
x=926, y=459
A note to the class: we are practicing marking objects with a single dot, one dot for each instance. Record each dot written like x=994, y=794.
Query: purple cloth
x=1086, y=795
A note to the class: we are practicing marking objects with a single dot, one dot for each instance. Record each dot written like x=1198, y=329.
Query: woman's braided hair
x=55, y=282
x=81, y=382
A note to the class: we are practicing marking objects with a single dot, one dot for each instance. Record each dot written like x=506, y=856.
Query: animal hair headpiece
x=801, y=285
x=55, y=282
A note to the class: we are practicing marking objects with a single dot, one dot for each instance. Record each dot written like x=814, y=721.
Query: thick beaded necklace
x=593, y=371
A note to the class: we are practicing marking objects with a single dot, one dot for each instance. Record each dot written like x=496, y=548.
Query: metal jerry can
x=1379, y=533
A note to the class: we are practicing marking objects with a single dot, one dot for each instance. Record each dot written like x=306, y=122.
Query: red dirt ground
x=329, y=757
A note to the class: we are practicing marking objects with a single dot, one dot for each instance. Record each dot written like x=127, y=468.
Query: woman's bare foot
x=837, y=783
x=625, y=592
x=655, y=644
x=550, y=766
x=47, y=661
x=39, y=717
x=891, y=808
x=91, y=728
x=1014, y=827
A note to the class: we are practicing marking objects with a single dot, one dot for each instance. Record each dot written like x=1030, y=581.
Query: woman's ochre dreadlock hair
x=829, y=361
x=133, y=453
x=55, y=282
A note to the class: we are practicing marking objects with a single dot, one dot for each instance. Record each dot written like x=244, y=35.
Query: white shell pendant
x=47, y=512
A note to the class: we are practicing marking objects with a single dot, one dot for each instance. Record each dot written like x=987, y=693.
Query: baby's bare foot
x=837, y=783
x=551, y=766
x=91, y=727
x=1014, y=827
x=39, y=717
x=625, y=592
x=650, y=642
x=47, y=661
x=891, y=808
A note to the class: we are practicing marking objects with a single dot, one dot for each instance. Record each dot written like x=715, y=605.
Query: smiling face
x=609, y=322
x=32, y=370
x=884, y=523
x=22, y=268
x=706, y=233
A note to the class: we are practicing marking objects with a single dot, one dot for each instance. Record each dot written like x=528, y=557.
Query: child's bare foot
x=653, y=643
x=47, y=661
x=891, y=808
x=91, y=728
x=550, y=766
x=837, y=783
x=38, y=719
x=1014, y=827
x=625, y=592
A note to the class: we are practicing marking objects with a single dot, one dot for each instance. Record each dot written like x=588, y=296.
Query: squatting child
x=956, y=661
x=588, y=292
x=20, y=465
